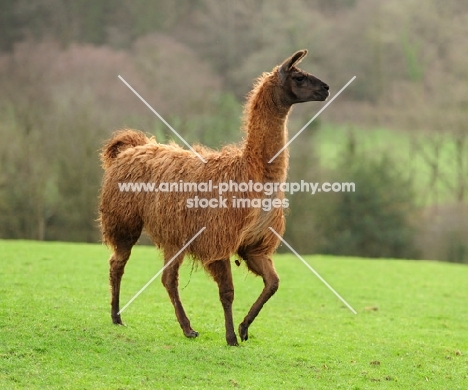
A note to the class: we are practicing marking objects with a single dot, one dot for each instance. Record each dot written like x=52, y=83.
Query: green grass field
x=411, y=330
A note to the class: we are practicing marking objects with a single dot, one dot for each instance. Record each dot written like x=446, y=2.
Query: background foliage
x=405, y=115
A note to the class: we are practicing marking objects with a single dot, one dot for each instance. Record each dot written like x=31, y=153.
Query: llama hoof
x=243, y=332
x=232, y=341
x=117, y=320
x=191, y=334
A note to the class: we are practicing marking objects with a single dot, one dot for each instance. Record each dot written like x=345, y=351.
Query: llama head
x=297, y=85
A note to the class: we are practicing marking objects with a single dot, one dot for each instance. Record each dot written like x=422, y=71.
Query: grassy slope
x=55, y=330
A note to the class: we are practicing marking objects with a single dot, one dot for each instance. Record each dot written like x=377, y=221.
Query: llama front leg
x=170, y=280
x=221, y=272
x=263, y=266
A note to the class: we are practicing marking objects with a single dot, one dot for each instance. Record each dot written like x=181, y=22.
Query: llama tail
x=120, y=141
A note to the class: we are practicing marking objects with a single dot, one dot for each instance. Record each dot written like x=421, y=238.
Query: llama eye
x=299, y=78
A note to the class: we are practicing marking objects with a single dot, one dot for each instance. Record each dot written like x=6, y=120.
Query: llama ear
x=290, y=62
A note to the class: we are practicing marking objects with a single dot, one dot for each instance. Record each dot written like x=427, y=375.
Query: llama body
x=131, y=157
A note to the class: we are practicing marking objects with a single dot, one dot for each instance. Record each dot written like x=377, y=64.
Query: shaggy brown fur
x=129, y=156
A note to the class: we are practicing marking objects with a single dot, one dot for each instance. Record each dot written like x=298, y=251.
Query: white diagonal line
x=164, y=121
x=162, y=269
x=308, y=123
x=315, y=272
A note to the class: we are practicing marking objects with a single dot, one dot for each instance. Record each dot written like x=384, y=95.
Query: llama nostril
x=326, y=86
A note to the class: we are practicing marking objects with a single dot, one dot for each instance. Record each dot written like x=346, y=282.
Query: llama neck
x=265, y=123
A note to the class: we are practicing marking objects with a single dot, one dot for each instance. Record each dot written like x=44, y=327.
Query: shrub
x=374, y=221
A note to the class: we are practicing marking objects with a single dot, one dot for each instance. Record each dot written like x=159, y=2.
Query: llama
x=129, y=156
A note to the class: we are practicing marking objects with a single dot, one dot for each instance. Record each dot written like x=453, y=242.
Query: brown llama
x=129, y=156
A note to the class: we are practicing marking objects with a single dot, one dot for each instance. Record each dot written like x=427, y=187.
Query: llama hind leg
x=122, y=243
x=221, y=272
x=170, y=280
x=117, y=265
x=263, y=266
